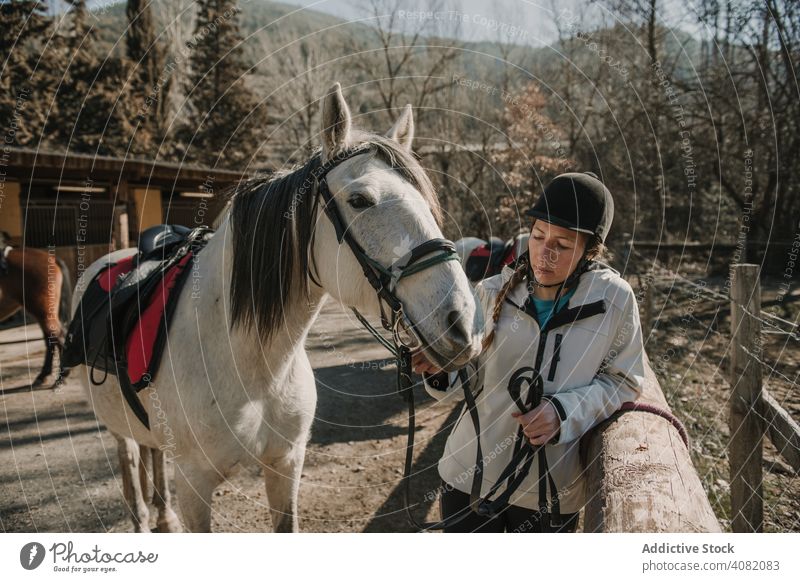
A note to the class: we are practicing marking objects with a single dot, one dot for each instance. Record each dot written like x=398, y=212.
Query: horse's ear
x=335, y=122
x=403, y=129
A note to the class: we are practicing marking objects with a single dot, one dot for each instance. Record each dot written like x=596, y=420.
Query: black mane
x=272, y=222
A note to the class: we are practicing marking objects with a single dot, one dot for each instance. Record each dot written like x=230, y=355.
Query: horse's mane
x=272, y=222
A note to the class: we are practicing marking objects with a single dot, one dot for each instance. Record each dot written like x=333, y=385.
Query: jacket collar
x=590, y=287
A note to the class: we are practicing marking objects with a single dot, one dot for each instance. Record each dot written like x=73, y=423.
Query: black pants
x=513, y=519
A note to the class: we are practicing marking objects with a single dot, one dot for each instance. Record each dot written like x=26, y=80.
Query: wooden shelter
x=84, y=205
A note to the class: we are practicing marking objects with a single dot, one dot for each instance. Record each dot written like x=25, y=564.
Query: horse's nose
x=457, y=331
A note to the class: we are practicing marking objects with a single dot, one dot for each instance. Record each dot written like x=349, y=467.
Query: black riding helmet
x=578, y=201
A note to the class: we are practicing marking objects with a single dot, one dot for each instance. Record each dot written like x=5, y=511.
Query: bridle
x=384, y=281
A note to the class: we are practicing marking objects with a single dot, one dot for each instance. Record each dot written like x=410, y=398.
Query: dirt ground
x=59, y=470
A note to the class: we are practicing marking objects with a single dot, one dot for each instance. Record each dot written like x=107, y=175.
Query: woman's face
x=555, y=251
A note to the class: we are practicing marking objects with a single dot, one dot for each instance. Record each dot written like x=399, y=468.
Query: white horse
x=235, y=385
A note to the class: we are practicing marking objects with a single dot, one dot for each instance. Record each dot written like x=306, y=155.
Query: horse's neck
x=272, y=358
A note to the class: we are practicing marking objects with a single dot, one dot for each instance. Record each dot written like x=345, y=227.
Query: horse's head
x=388, y=206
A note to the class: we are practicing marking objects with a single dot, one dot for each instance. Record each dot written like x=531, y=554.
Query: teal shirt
x=545, y=306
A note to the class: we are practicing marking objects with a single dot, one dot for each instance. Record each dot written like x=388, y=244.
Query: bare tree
x=413, y=53
x=294, y=81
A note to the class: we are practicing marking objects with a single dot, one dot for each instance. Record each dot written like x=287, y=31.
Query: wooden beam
x=783, y=431
x=38, y=165
x=640, y=476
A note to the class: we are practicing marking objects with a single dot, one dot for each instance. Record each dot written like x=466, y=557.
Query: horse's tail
x=65, y=305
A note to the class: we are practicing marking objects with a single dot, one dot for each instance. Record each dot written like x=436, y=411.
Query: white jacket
x=581, y=392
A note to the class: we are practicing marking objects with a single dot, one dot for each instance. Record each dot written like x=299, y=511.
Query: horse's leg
x=167, y=519
x=195, y=484
x=282, y=473
x=131, y=484
x=50, y=348
x=45, y=310
x=282, y=479
x=146, y=472
x=53, y=340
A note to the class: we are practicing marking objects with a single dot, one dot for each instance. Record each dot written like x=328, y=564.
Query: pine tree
x=95, y=114
x=220, y=132
x=153, y=79
x=23, y=92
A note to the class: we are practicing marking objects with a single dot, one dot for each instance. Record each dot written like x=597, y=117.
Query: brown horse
x=39, y=282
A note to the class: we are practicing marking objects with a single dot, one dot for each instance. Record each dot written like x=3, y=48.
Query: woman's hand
x=541, y=424
x=420, y=364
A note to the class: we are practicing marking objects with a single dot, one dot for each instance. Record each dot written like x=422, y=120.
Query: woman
x=560, y=322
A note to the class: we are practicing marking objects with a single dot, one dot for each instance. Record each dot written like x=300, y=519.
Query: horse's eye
x=359, y=201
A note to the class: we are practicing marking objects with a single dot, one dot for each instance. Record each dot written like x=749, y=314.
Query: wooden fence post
x=745, y=447
x=121, y=232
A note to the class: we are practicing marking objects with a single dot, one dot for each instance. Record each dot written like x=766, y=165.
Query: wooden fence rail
x=640, y=476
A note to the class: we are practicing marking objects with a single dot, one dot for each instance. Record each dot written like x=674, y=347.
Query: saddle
x=489, y=259
x=120, y=326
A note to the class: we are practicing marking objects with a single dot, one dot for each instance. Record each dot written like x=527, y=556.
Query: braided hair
x=519, y=275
